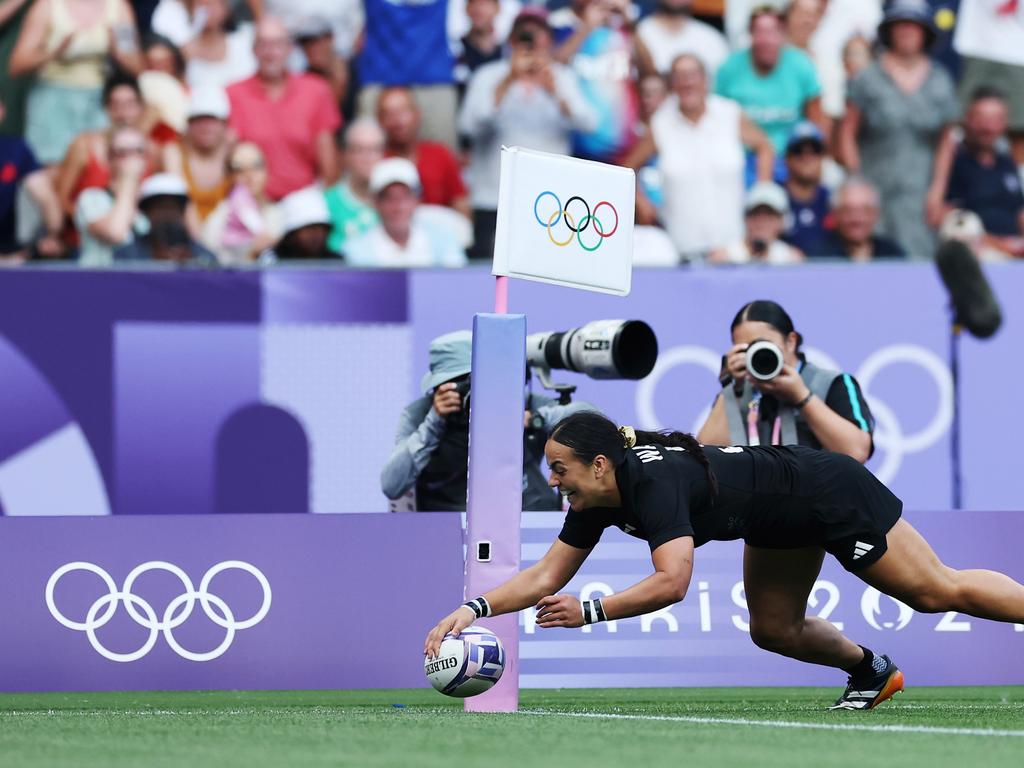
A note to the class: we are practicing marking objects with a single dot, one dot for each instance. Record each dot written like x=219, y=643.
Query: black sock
x=863, y=667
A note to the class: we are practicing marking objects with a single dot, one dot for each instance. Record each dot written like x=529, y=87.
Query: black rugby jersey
x=764, y=492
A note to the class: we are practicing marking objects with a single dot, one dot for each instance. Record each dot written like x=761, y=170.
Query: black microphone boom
x=974, y=305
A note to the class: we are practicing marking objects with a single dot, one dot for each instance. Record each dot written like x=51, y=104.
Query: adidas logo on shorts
x=860, y=549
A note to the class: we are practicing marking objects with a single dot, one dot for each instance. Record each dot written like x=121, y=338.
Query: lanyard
x=753, y=412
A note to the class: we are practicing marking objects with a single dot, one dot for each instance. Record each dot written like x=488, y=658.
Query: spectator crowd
x=368, y=132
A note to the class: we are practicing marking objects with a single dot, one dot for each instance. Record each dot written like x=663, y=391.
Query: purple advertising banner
x=223, y=601
x=279, y=391
x=704, y=640
x=344, y=601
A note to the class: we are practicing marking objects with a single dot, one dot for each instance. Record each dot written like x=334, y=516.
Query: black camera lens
x=764, y=360
x=527, y=38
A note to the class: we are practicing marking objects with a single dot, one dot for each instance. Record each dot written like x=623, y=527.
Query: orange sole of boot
x=892, y=687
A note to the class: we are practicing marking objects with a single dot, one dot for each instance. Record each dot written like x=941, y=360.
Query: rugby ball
x=466, y=665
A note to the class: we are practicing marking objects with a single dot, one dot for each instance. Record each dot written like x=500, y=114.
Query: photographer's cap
x=767, y=194
x=451, y=356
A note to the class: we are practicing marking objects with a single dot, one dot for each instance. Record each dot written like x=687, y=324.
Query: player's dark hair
x=771, y=312
x=590, y=434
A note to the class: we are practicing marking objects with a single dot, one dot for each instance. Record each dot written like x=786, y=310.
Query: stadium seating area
x=367, y=132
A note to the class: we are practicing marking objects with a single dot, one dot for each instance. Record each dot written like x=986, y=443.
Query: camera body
x=764, y=360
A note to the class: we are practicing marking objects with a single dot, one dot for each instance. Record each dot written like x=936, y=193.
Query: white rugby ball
x=466, y=665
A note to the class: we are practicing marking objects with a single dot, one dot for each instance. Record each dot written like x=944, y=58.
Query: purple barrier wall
x=218, y=601
x=166, y=393
x=344, y=601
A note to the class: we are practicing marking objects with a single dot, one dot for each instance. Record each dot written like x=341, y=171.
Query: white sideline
x=935, y=730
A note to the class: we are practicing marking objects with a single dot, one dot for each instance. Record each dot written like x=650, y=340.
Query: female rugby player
x=789, y=504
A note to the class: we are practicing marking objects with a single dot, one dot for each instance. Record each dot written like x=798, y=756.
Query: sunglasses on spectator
x=256, y=165
x=810, y=148
x=127, y=151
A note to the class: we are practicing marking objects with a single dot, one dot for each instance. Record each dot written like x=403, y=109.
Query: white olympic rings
x=104, y=608
x=889, y=435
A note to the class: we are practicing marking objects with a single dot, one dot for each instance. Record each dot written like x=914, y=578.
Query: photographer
x=771, y=395
x=432, y=445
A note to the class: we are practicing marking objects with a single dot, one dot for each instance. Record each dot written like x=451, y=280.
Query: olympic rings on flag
x=561, y=214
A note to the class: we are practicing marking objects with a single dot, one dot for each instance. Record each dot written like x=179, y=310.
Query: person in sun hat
x=306, y=223
x=399, y=239
x=163, y=202
x=431, y=453
x=764, y=218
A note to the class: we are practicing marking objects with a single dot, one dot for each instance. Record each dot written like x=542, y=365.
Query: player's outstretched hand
x=559, y=611
x=454, y=622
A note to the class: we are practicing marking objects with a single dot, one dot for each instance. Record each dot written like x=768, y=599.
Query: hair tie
x=629, y=435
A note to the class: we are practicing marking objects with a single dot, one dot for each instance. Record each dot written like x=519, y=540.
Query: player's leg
x=911, y=572
x=777, y=583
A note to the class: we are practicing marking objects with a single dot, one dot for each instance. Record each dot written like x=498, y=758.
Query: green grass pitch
x=683, y=728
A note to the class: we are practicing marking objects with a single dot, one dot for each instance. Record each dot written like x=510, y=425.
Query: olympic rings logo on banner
x=575, y=227
x=104, y=608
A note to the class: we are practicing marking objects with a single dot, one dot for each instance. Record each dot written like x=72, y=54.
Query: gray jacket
x=420, y=431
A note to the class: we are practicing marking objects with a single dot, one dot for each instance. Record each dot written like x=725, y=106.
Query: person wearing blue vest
x=407, y=44
x=801, y=404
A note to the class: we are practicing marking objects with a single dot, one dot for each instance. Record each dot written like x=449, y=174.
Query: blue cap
x=805, y=131
x=917, y=11
x=451, y=356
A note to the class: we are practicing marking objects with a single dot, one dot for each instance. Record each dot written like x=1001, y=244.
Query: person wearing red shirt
x=292, y=118
x=440, y=174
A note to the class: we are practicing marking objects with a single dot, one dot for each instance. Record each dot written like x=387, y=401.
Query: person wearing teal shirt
x=777, y=85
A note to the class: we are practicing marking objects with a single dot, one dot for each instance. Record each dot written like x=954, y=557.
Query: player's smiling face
x=579, y=483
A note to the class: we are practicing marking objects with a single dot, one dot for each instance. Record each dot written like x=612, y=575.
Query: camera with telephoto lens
x=764, y=360
x=602, y=349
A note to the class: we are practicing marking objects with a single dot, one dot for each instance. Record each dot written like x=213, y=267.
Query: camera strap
x=743, y=409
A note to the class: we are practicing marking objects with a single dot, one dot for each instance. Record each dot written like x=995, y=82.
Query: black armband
x=593, y=611
x=480, y=607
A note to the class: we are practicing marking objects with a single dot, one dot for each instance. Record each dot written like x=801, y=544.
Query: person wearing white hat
x=163, y=200
x=398, y=240
x=200, y=157
x=306, y=223
x=764, y=216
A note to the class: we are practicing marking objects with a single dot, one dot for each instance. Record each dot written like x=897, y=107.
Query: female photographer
x=773, y=396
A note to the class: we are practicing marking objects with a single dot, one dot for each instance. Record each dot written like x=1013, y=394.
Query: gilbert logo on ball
x=468, y=664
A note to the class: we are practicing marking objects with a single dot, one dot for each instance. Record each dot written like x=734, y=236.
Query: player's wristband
x=800, y=405
x=593, y=611
x=480, y=607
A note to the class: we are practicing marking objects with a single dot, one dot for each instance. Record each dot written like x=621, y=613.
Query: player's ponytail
x=676, y=439
x=589, y=434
